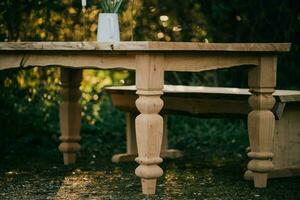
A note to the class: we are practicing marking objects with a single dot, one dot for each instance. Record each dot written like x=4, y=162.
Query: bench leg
x=287, y=143
x=261, y=121
x=131, y=145
x=70, y=114
x=165, y=151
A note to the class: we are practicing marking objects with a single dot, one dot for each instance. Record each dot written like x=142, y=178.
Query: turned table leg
x=149, y=124
x=261, y=120
x=131, y=145
x=70, y=114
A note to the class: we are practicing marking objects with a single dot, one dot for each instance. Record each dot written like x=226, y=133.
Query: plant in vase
x=108, y=23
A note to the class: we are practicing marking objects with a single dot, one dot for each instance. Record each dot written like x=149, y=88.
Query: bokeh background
x=29, y=99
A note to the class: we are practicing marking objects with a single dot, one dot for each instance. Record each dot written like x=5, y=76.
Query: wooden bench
x=219, y=102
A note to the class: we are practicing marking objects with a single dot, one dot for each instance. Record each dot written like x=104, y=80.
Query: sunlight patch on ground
x=77, y=185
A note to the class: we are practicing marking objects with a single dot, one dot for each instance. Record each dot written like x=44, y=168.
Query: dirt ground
x=38, y=174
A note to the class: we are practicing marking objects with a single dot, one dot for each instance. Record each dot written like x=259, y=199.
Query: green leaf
x=104, y=6
x=119, y=3
x=111, y=6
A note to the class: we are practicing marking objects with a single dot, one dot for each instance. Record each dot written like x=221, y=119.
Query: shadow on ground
x=38, y=174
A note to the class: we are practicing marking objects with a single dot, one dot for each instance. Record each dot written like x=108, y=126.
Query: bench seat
x=218, y=102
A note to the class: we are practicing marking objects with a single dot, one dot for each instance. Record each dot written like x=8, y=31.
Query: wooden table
x=150, y=60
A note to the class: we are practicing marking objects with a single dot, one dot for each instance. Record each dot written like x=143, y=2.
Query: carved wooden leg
x=70, y=114
x=131, y=145
x=149, y=124
x=261, y=121
x=286, y=149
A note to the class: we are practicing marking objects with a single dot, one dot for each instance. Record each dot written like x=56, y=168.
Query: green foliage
x=29, y=107
x=224, y=136
x=111, y=6
x=107, y=134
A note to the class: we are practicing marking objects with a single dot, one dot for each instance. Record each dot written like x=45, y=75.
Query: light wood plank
x=145, y=46
x=203, y=61
x=188, y=91
x=88, y=60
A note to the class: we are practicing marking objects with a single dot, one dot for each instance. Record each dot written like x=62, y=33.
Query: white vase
x=108, y=28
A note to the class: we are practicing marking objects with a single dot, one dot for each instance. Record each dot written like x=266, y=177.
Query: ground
x=40, y=174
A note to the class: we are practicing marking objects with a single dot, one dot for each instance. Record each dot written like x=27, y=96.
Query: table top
x=144, y=46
